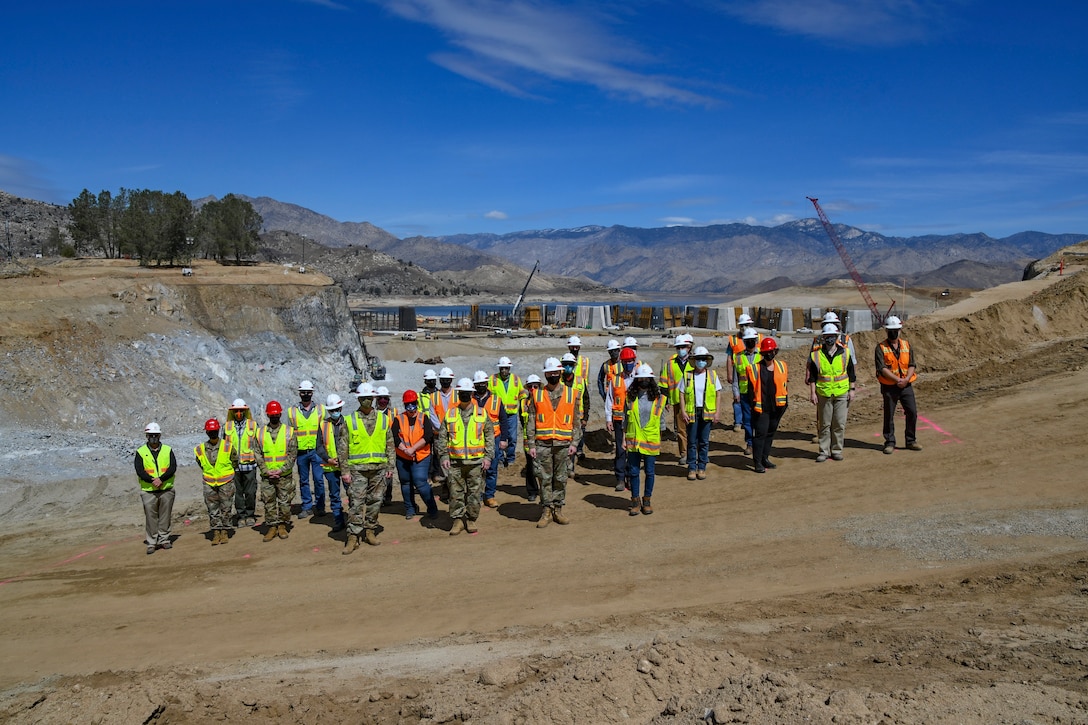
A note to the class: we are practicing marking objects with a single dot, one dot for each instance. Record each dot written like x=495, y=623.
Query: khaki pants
x=158, y=507
x=681, y=429
x=831, y=420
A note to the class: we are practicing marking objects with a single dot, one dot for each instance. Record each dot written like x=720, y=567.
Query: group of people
x=452, y=438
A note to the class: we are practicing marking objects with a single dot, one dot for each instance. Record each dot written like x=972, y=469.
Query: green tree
x=230, y=227
x=53, y=243
x=84, y=227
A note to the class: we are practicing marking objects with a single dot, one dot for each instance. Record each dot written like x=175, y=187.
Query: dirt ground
x=946, y=585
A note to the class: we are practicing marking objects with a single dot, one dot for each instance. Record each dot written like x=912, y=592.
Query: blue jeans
x=621, y=452
x=336, y=505
x=635, y=461
x=699, y=442
x=309, y=461
x=509, y=433
x=413, y=479
x=738, y=412
x=491, y=475
x=746, y=419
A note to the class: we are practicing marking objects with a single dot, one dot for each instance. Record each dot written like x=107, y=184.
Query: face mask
x=681, y=352
x=213, y=435
x=481, y=391
x=239, y=414
x=464, y=396
x=614, y=355
x=568, y=369
x=750, y=343
x=446, y=383
x=700, y=364
x=411, y=407
x=273, y=420
x=504, y=374
x=305, y=396
x=383, y=402
x=893, y=334
x=769, y=355
x=552, y=378
x=366, y=403
x=628, y=367
x=334, y=414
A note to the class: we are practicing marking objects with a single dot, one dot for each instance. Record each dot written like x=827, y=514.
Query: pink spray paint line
x=927, y=424
x=69, y=560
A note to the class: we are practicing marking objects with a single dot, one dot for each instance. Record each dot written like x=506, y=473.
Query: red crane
x=877, y=314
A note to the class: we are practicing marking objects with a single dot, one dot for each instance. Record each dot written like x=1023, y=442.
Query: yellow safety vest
x=274, y=447
x=710, y=397
x=306, y=425
x=155, y=465
x=328, y=432
x=222, y=471
x=366, y=447
x=740, y=369
x=508, y=393
x=242, y=439
x=466, y=442
x=831, y=377
x=670, y=377
x=646, y=441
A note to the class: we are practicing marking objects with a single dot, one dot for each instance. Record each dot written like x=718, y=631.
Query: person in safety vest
x=737, y=345
x=276, y=452
x=496, y=413
x=241, y=430
x=155, y=469
x=413, y=437
x=645, y=404
x=767, y=391
x=700, y=401
x=383, y=404
x=829, y=318
x=532, y=481
x=507, y=388
x=305, y=419
x=746, y=358
x=554, y=432
x=369, y=466
x=581, y=377
x=615, y=404
x=430, y=386
x=332, y=444
x=609, y=366
x=571, y=378
x=831, y=384
x=464, y=445
x=444, y=398
x=672, y=373
x=896, y=371
x=217, y=459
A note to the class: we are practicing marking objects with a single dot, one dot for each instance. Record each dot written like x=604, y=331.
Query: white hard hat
x=504, y=362
x=680, y=341
x=534, y=378
x=630, y=342
x=574, y=341
x=445, y=373
x=644, y=371
x=479, y=377
x=701, y=352
x=893, y=323
x=382, y=391
x=365, y=390
x=829, y=329
x=238, y=404
x=432, y=375
x=750, y=333
x=306, y=385
x=569, y=357
x=552, y=365
x=613, y=345
x=334, y=402
x=745, y=319
x=830, y=317
x=153, y=428
x=464, y=385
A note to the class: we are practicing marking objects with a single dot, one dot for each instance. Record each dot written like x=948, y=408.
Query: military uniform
x=554, y=429
x=217, y=464
x=370, y=461
x=276, y=451
x=465, y=439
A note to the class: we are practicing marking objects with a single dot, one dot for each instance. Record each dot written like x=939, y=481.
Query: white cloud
x=677, y=221
x=869, y=22
x=496, y=215
x=667, y=182
x=508, y=44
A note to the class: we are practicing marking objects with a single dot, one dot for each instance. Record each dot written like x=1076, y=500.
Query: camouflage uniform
x=219, y=499
x=367, y=485
x=553, y=462
x=277, y=493
x=465, y=477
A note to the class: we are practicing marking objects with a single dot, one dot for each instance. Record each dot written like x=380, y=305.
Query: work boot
x=558, y=517
x=370, y=536
x=351, y=544
x=270, y=533
x=545, y=517
x=636, y=504
x=215, y=537
x=701, y=475
x=281, y=531
x=647, y=509
x=458, y=527
x=470, y=526
x=224, y=538
x=691, y=475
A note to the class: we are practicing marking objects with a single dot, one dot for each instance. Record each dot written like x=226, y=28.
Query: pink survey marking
x=71, y=559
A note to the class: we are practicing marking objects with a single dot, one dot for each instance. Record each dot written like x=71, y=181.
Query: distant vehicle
x=804, y=330
x=186, y=271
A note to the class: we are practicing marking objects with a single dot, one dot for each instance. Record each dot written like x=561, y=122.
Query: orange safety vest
x=897, y=363
x=491, y=407
x=781, y=372
x=438, y=406
x=736, y=344
x=410, y=434
x=555, y=424
x=618, y=383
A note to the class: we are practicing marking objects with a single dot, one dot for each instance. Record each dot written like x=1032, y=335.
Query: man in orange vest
x=896, y=371
x=767, y=391
x=413, y=436
x=554, y=432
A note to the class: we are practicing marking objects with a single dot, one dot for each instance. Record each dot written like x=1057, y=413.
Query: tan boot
x=458, y=527
x=370, y=536
x=216, y=537
x=558, y=517
x=646, y=507
x=281, y=531
x=545, y=517
x=470, y=526
x=223, y=537
x=271, y=533
x=636, y=504
x=351, y=544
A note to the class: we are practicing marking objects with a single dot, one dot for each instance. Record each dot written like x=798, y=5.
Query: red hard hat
x=628, y=355
x=410, y=396
x=273, y=408
x=211, y=424
x=768, y=344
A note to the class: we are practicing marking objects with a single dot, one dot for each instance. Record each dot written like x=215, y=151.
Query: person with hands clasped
x=831, y=382
x=555, y=430
x=700, y=396
x=465, y=440
x=368, y=468
x=155, y=469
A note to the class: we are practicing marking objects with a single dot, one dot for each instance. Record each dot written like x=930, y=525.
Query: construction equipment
x=517, y=305
x=877, y=314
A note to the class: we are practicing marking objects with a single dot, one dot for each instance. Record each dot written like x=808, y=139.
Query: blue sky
x=905, y=117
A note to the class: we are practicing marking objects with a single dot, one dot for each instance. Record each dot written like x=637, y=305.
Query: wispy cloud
x=511, y=44
x=273, y=77
x=855, y=22
x=667, y=182
x=23, y=178
x=496, y=214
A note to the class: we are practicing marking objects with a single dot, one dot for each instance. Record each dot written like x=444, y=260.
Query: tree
x=53, y=243
x=84, y=226
x=230, y=227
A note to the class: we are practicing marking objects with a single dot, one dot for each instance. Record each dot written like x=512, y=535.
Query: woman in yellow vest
x=155, y=469
x=217, y=459
x=642, y=435
x=767, y=391
x=700, y=395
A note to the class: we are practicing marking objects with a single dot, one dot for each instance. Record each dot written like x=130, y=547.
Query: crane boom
x=841, y=248
x=517, y=305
